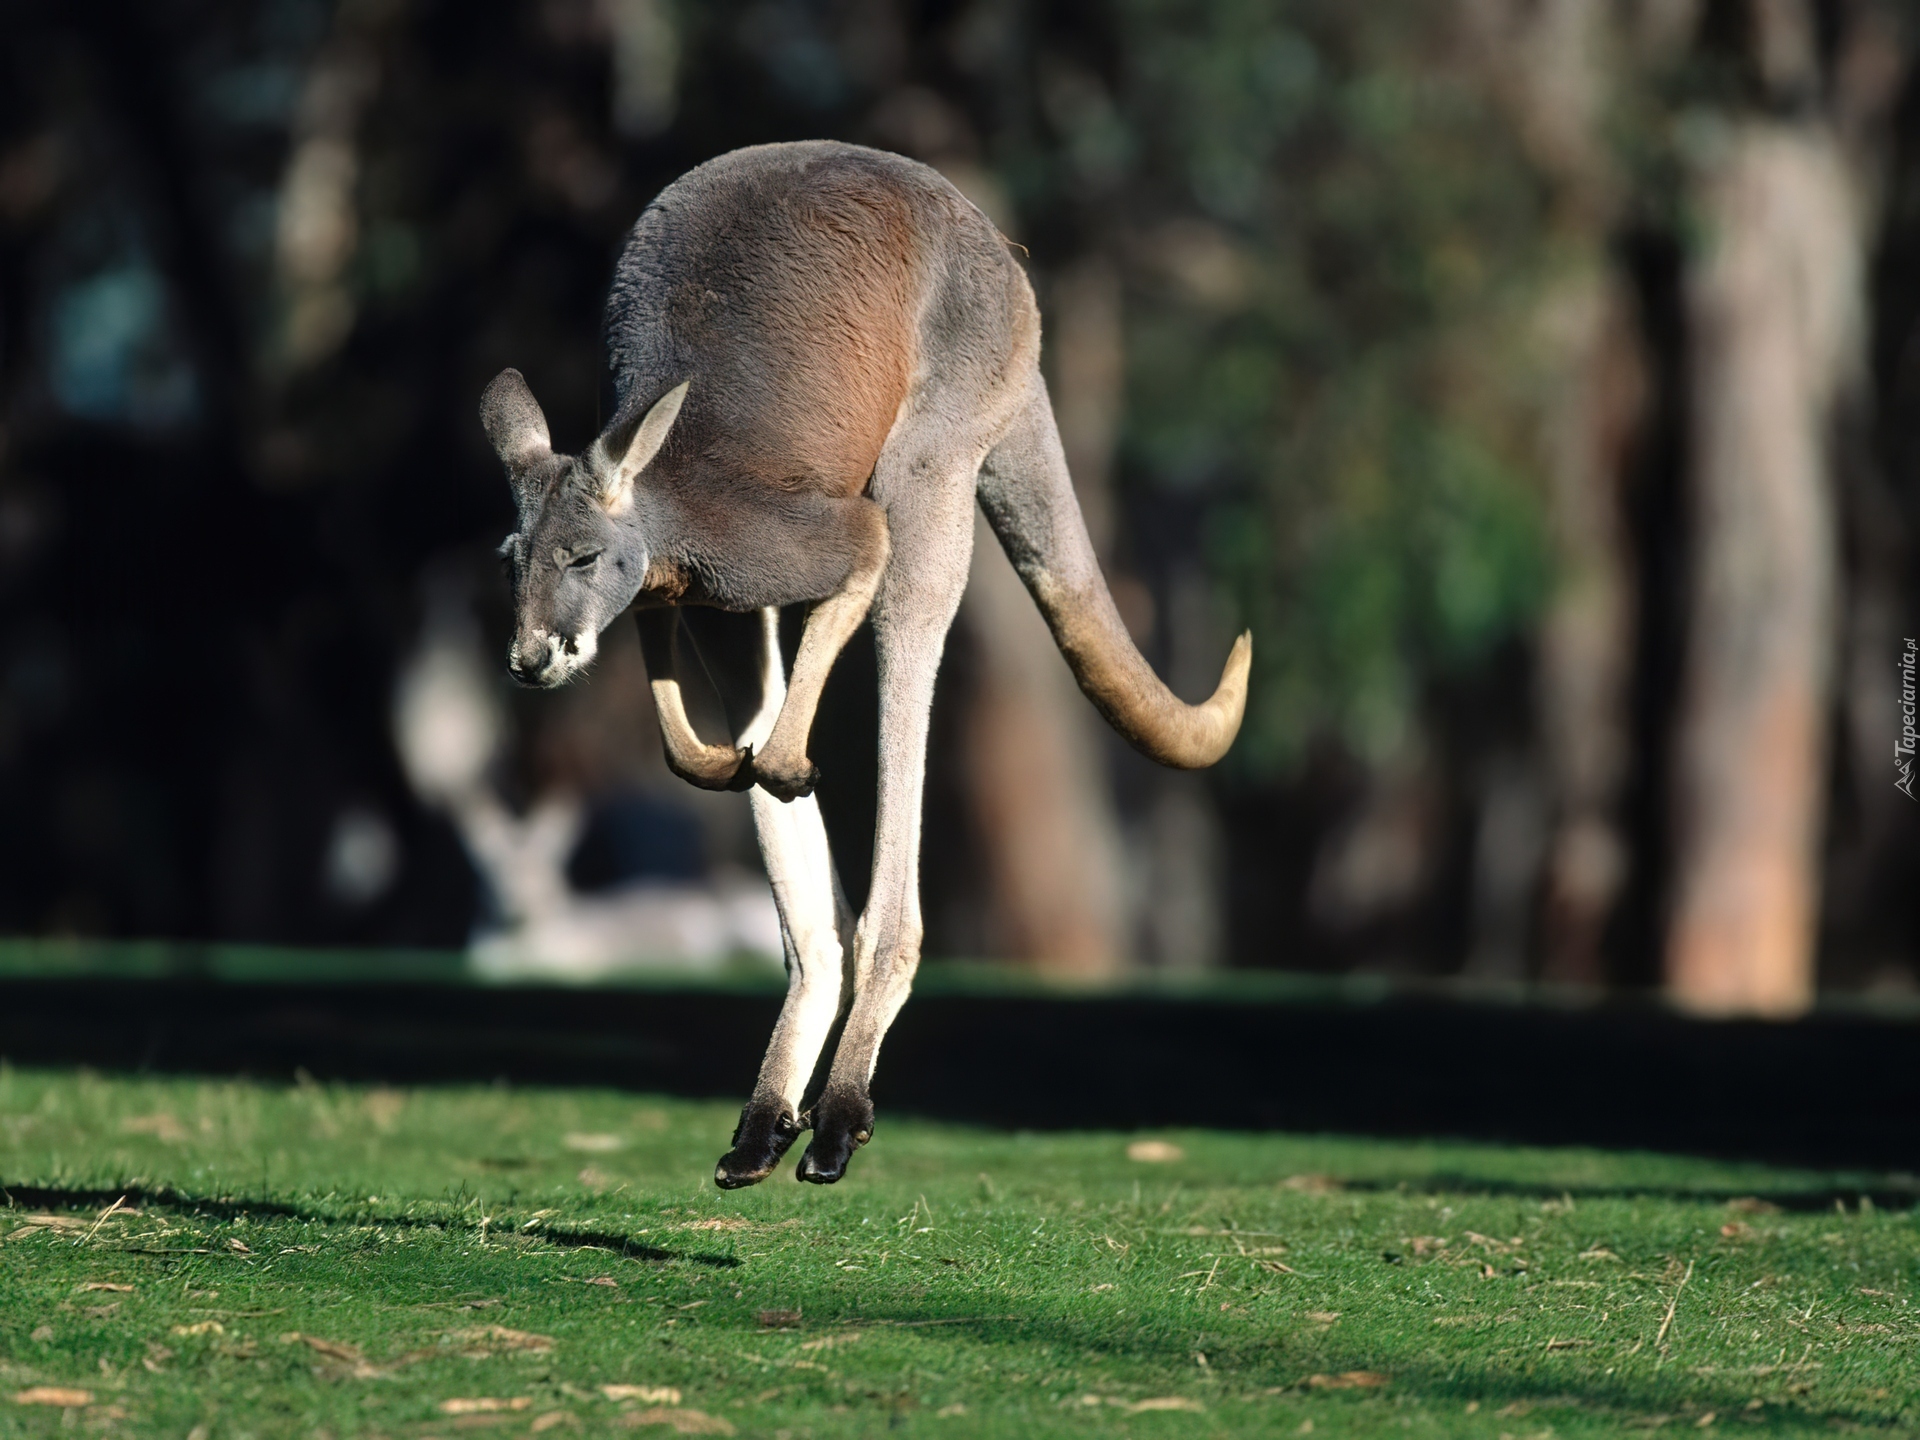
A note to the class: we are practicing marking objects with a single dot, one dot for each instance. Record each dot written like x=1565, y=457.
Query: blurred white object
x=362, y=857
x=448, y=727
x=645, y=925
x=446, y=717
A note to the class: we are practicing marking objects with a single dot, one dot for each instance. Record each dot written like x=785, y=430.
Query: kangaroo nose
x=527, y=661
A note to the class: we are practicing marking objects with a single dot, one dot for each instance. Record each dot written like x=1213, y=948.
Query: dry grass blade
x=1673, y=1305
x=682, y=1422
x=341, y=1361
x=105, y=1215
x=593, y=1144
x=1155, y=1152
x=1313, y=1184
x=479, y=1341
x=53, y=1395
x=332, y=1349
x=484, y=1405
x=826, y=1342
x=1347, y=1380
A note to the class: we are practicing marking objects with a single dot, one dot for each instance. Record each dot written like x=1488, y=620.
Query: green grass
x=332, y=1260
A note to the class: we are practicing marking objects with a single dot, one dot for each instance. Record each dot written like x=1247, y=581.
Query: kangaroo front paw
x=759, y=1140
x=714, y=767
x=785, y=777
x=841, y=1124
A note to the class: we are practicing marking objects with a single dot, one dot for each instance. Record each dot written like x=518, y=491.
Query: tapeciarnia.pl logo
x=1903, y=750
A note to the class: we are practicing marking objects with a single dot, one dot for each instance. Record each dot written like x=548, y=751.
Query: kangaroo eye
x=581, y=561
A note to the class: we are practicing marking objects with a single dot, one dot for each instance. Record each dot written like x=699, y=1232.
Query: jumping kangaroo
x=821, y=356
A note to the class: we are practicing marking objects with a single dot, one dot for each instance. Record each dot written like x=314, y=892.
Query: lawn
x=322, y=1260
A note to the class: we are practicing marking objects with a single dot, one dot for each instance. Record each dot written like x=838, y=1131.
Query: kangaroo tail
x=1028, y=498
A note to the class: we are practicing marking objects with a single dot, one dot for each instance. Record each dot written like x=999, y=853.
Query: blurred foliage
x=1335, y=246
x=1328, y=239
x=1340, y=271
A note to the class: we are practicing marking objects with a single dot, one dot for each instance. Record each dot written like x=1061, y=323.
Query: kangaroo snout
x=542, y=659
x=535, y=660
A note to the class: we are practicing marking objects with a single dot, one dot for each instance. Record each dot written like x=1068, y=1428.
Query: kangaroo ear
x=514, y=424
x=624, y=451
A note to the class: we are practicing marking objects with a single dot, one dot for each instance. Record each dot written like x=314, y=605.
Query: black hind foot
x=765, y=1131
x=842, y=1123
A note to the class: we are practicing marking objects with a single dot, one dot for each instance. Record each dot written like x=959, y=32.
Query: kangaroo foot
x=842, y=1123
x=714, y=767
x=785, y=777
x=765, y=1131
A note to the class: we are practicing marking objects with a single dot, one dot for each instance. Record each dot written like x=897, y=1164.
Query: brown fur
x=826, y=363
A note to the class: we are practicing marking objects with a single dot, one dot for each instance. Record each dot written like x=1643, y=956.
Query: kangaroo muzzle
x=542, y=659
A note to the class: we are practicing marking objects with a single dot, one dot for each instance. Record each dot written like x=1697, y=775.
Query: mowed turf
x=324, y=1260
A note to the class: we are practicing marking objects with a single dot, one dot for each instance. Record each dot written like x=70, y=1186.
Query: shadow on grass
x=1887, y=1193
x=227, y=1207
x=1681, y=1396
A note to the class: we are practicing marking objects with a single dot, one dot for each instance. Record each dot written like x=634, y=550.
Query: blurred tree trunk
x=1775, y=303
x=1772, y=308
x=1043, y=806
x=1586, y=649
x=1168, y=914
x=1554, y=64
x=1036, y=782
x=317, y=227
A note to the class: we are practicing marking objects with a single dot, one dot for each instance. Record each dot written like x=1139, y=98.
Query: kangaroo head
x=579, y=554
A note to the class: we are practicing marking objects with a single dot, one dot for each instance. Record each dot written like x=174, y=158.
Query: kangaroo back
x=786, y=281
x=1029, y=501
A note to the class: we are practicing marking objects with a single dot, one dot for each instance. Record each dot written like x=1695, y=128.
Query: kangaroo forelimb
x=782, y=767
x=711, y=767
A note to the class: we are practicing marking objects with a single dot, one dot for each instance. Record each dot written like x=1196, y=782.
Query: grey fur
x=854, y=340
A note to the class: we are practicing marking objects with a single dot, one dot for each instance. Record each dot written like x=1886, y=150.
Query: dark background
x=227, y=483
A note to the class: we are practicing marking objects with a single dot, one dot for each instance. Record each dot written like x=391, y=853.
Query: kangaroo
x=821, y=357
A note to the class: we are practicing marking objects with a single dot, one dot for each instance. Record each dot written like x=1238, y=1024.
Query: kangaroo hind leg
x=932, y=529
x=742, y=654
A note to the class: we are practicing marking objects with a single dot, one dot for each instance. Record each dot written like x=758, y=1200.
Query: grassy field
x=335, y=1261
